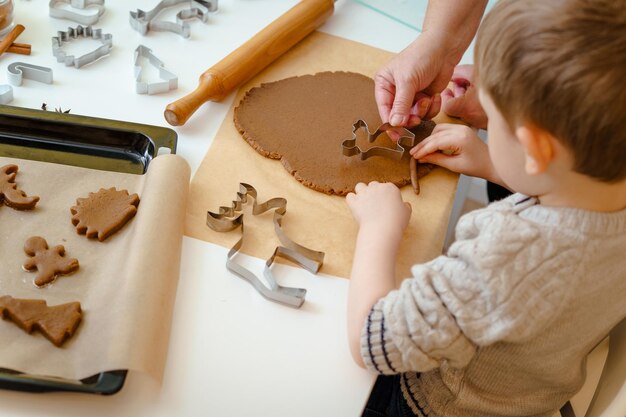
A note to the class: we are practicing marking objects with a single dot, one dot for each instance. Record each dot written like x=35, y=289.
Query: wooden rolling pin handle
x=249, y=59
x=209, y=88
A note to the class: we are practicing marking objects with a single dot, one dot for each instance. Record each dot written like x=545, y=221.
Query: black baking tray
x=88, y=142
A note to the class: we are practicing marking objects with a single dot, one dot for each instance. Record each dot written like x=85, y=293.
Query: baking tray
x=88, y=142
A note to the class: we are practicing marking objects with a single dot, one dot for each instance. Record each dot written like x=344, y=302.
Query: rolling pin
x=250, y=58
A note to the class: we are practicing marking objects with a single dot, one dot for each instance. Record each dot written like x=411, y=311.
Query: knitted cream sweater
x=502, y=325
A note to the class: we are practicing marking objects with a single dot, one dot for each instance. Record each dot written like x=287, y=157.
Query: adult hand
x=457, y=148
x=461, y=98
x=379, y=205
x=407, y=87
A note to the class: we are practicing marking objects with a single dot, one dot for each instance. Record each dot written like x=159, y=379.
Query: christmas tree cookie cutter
x=230, y=218
x=170, y=80
x=81, y=32
x=62, y=9
x=406, y=140
x=143, y=21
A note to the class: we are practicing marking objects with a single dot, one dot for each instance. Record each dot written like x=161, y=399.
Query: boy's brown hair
x=561, y=65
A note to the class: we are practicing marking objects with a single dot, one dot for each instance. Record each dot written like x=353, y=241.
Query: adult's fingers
x=384, y=93
x=454, y=106
x=402, y=103
x=435, y=107
x=465, y=71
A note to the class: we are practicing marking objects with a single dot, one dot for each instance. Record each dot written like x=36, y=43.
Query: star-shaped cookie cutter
x=230, y=218
x=81, y=32
x=406, y=140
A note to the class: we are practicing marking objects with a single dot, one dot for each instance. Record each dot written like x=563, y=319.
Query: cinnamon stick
x=19, y=48
x=6, y=42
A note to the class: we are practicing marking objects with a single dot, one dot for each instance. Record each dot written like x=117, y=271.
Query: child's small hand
x=457, y=148
x=379, y=205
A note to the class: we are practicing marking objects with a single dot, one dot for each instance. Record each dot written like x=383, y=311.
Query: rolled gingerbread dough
x=303, y=121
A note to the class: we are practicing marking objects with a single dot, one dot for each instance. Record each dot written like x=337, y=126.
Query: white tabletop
x=232, y=353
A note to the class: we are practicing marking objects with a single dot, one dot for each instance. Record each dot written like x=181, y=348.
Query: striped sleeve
x=499, y=282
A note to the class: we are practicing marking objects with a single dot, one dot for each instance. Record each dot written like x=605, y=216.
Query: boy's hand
x=457, y=148
x=461, y=98
x=379, y=205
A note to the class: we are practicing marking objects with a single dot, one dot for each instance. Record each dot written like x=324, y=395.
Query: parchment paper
x=313, y=219
x=126, y=285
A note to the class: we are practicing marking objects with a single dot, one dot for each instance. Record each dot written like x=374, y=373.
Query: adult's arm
x=407, y=86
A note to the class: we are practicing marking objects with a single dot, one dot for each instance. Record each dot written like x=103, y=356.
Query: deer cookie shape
x=10, y=195
x=49, y=263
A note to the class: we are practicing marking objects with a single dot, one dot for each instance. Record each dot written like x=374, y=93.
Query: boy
x=502, y=325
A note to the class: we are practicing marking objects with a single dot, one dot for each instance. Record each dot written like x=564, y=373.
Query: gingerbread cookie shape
x=304, y=120
x=57, y=323
x=103, y=213
x=49, y=263
x=10, y=195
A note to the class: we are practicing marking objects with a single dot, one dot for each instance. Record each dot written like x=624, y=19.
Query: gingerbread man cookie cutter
x=76, y=33
x=230, y=218
x=67, y=9
x=143, y=21
x=406, y=140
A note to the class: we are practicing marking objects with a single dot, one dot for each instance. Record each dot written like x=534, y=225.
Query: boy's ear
x=538, y=147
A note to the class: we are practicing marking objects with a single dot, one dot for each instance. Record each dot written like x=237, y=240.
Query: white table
x=231, y=352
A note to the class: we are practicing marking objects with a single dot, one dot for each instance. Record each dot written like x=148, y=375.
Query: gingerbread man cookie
x=103, y=213
x=49, y=263
x=56, y=323
x=10, y=195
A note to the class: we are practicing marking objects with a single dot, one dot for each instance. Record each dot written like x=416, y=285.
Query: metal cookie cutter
x=170, y=79
x=62, y=9
x=17, y=71
x=143, y=21
x=230, y=218
x=84, y=32
x=6, y=94
x=407, y=140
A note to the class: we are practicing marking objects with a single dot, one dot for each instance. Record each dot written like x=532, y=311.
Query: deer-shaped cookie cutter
x=230, y=218
x=406, y=140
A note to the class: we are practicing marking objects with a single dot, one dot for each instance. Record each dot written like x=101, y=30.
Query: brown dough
x=103, y=213
x=56, y=323
x=9, y=193
x=48, y=262
x=303, y=120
